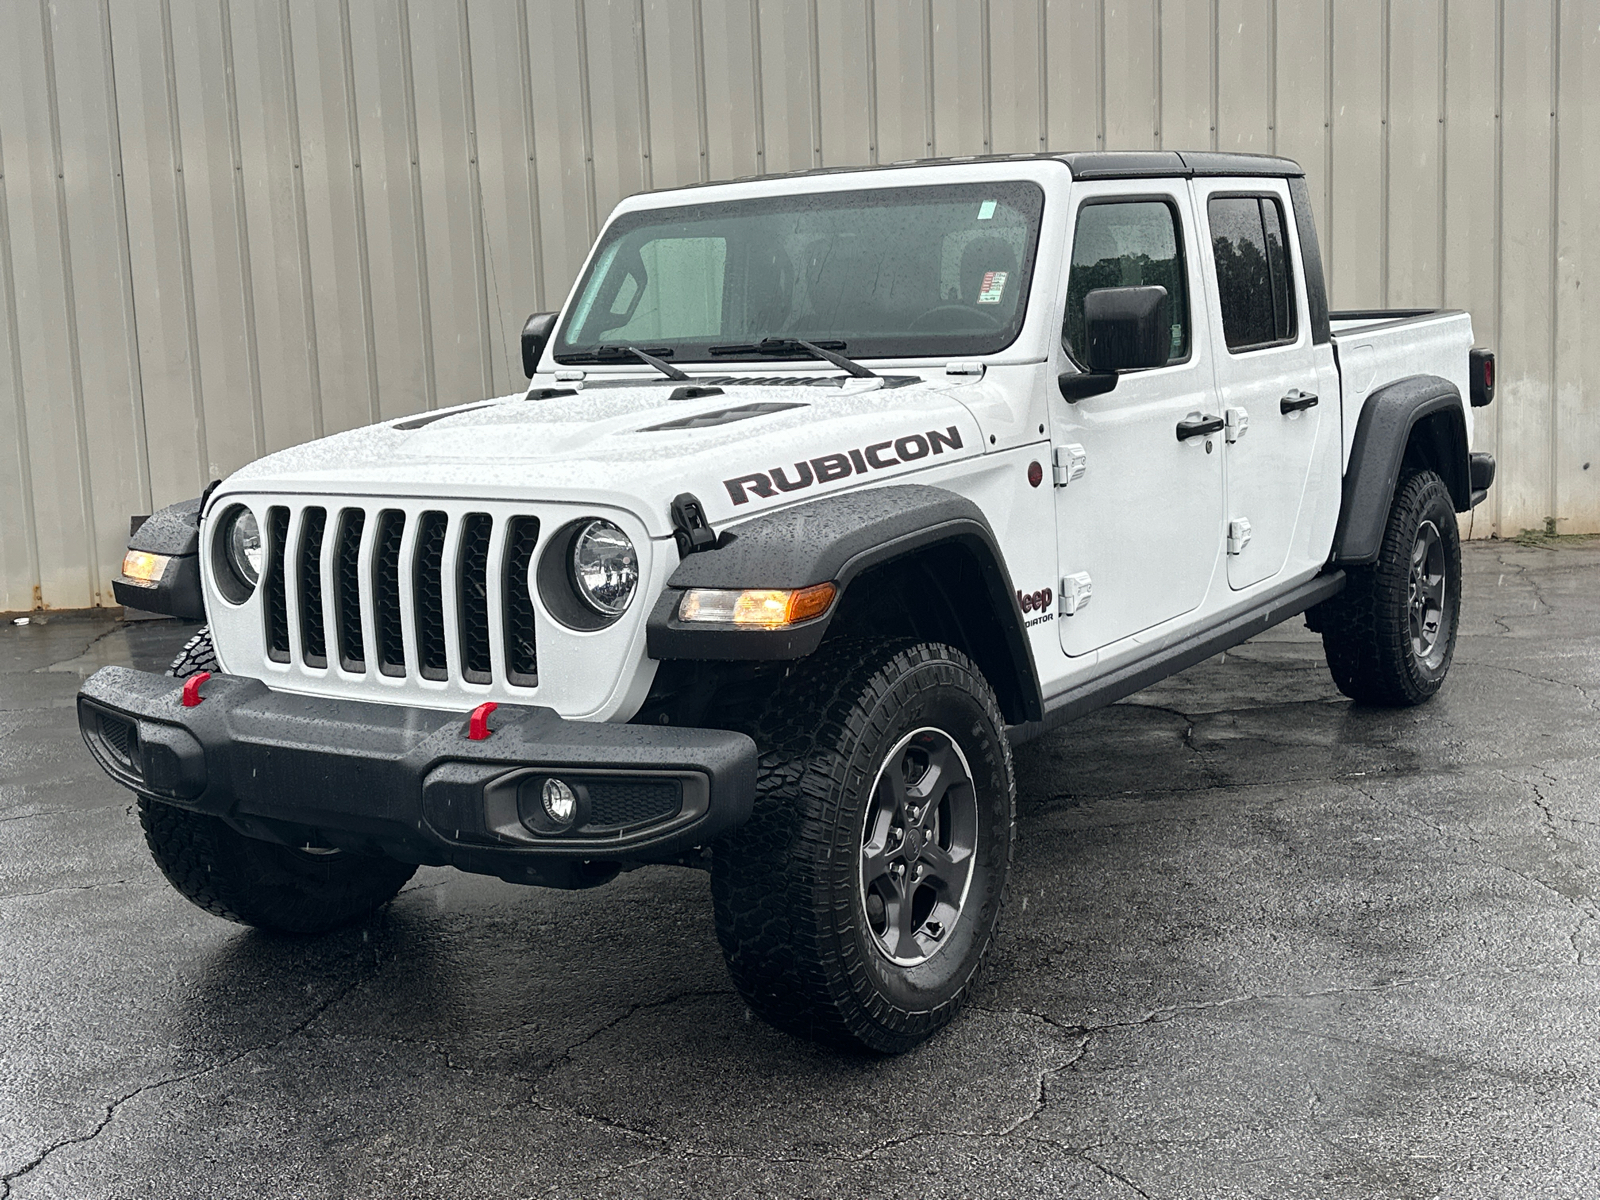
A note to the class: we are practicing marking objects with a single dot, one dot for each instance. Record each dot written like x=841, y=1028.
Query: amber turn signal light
x=146, y=569
x=763, y=608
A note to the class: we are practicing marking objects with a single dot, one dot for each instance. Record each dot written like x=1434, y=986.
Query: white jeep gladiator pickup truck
x=826, y=491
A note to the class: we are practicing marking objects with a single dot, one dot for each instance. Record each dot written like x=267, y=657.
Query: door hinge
x=1238, y=424
x=1075, y=593
x=1069, y=463
x=1238, y=535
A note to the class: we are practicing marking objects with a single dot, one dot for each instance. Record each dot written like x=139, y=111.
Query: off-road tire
x=788, y=887
x=256, y=882
x=198, y=654
x=263, y=884
x=1367, y=629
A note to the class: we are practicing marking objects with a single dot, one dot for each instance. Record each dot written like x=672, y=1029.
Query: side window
x=1127, y=243
x=1248, y=240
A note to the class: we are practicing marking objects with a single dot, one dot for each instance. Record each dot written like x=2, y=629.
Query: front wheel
x=857, y=904
x=1390, y=635
x=277, y=888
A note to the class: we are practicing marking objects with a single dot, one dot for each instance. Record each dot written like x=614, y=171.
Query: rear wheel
x=858, y=903
x=1390, y=635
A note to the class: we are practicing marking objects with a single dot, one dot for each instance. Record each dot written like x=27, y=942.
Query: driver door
x=1142, y=525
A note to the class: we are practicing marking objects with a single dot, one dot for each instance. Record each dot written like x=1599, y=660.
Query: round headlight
x=605, y=568
x=241, y=545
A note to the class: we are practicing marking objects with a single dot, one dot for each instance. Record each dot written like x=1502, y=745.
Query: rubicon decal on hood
x=827, y=468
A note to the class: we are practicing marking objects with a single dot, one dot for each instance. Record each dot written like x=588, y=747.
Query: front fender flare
x=834, y=539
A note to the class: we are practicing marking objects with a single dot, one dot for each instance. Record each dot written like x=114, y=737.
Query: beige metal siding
x=227, y=226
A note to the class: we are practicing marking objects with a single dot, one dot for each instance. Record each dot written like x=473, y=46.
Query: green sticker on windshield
x=986, y=210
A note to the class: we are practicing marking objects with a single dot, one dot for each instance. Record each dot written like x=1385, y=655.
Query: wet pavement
x=1260, y=943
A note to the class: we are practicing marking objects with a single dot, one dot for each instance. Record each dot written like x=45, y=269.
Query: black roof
x=1086, y=164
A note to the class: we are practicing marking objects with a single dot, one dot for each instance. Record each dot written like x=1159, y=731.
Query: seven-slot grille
x=361, y=559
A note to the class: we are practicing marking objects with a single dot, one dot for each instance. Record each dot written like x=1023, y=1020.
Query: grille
x=276, y=605
x=472, y=605
x=427, y=586
x=313, y=643
x=618, y=804
x=347, y=593
x=522, y=657
x=430, y=594
x=386, y=593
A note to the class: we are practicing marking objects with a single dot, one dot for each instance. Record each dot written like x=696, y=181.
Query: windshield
x=885, y=272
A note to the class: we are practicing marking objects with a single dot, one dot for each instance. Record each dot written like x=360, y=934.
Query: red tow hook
x=478, y=724
x=191, y=689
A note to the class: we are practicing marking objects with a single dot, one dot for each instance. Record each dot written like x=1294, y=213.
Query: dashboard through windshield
x=932, y=271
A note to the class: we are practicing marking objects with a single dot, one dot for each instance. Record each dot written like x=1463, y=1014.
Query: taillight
x=1480, y=377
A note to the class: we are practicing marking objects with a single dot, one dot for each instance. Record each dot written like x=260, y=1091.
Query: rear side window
x=1127, y=243
x=1248, y=239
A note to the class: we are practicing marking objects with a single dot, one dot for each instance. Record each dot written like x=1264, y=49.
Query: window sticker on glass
x=992, y=288
x=986, y=210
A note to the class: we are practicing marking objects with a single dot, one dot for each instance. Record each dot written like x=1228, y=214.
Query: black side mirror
x=1127, y=329
x=535, y=336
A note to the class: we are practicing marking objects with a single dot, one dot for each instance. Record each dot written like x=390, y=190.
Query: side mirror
x=1127, y=327
x=1127, y=330
x=535, y=336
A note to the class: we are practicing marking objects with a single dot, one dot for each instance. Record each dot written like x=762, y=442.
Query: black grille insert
x=347, y=589
x=276, y=605
x=121, y=740
x=427, y=584
x=522, y=656
x=617, y=804
x=313, y=639
x=472, y=597
x=386, y=592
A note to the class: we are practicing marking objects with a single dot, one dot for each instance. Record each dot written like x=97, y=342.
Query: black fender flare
x=834, y=539
x=174, y=532
x=1424, y=409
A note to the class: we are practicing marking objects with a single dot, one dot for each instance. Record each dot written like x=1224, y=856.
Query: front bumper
x=409, y=783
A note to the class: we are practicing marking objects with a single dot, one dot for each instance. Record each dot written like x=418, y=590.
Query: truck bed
x=1377, y=346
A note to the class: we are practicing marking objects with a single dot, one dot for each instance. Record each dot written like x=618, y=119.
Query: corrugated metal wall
x=227, y=226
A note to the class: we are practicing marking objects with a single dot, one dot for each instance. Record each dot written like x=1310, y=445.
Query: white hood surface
x=750, y=447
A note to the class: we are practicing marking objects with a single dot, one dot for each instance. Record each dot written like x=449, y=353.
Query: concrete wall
x=227, y=226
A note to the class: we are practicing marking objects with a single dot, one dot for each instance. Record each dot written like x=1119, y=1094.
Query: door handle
x=1296, y=400
x=1197, y=425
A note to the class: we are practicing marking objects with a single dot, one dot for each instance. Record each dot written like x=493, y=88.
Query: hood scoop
x=724, y=416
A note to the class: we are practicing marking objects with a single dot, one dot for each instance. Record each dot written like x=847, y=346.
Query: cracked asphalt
x=1259, y=943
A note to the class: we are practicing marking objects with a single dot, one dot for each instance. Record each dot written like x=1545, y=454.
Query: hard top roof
x=1089, y=164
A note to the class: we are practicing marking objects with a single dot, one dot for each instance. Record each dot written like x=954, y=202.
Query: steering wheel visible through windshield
x=879, y=272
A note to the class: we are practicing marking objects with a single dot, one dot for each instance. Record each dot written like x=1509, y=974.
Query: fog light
x=560, y=802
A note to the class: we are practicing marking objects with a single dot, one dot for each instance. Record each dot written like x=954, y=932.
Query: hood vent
x=430, y=418
x=724, y=416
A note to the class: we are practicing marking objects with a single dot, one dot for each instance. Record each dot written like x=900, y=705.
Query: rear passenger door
x=1279, y=393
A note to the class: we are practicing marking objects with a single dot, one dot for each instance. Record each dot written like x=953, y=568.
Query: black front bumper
x=410, y=784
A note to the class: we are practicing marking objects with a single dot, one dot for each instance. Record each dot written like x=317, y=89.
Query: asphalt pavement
x=1260, y=942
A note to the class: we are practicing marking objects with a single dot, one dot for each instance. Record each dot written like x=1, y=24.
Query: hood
x=740, y=447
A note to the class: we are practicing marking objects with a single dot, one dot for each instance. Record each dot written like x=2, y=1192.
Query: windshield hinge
x=690, y=528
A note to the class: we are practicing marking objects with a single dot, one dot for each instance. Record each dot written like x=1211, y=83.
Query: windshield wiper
x=602, y=353
x=787, y=346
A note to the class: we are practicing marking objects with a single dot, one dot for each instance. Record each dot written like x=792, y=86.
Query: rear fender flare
x=1421, y=416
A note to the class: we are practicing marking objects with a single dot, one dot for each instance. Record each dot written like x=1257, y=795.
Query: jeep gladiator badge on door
x=826, y=490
